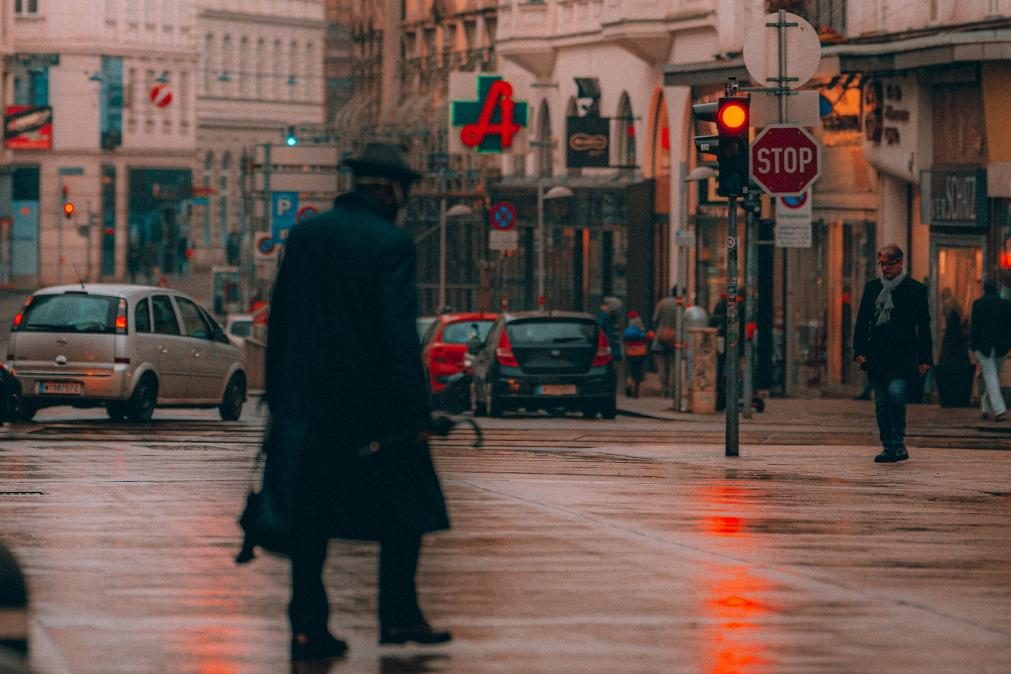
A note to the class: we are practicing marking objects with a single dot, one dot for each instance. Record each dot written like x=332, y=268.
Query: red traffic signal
x=68, y=209
x=733, y=114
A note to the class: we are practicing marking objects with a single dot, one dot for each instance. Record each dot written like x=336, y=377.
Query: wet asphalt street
x=578, y=546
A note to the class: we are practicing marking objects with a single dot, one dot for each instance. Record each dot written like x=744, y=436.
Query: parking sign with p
x=283, y=210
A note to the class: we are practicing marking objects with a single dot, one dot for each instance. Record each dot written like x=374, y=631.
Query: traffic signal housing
x=733, y=124
x=732, y=117
x=290, y=137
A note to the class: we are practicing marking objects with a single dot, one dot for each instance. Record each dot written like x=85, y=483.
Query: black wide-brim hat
x=384, y=160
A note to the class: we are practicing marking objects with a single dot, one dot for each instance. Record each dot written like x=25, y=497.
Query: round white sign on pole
x=761, y=51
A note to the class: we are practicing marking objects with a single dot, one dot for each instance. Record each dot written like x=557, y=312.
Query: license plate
x=65, y=388
x=558, y=389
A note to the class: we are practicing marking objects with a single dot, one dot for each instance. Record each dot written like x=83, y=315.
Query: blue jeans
x=890, y=410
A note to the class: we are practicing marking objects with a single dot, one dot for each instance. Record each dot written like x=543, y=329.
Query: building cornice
x=183, y=53
x=268, y=20
x=880, y=56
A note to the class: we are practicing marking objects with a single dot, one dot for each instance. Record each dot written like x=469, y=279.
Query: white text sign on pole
x=793, y=221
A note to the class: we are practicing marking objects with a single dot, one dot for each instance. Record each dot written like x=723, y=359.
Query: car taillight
x=603, y=355
x=19, y=317
x=121, y=324
x=504, y=353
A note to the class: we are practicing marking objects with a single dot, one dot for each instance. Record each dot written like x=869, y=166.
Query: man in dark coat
x=892, y=342
x=990, y=338
x=347, y=452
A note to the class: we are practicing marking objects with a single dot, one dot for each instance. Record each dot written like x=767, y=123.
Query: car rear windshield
x=71, y=312
x=546, y=332
x=462, y=331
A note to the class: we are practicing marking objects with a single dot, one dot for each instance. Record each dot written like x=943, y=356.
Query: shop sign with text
x=955, y=198
x=588, y=142
x=28, y=127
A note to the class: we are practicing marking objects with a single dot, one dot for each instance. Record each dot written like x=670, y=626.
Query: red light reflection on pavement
x=733, y=639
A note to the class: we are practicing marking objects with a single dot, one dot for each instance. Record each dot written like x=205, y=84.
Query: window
x=26, y=7
x=193, y=320
x=165, y=322
x=71, y=312
x=142, y=317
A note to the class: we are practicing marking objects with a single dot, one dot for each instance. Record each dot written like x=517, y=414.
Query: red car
x=445, y=344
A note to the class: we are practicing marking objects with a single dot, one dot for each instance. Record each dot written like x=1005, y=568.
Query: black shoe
x=322, y=647
x=421, y=633
x=892, y=456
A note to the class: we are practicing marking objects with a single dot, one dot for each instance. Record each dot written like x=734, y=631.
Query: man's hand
x=860, y=360
x=923, y=368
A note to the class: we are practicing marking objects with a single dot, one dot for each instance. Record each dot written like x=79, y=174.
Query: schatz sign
x=483, y=116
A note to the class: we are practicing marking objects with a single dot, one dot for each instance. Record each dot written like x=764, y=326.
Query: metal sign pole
x=732, y=364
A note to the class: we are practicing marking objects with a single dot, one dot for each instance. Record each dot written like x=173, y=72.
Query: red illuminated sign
x=28, y=127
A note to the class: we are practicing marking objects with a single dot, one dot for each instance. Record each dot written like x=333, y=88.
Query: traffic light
x=290, y=137
x=730, y=144
x=733, y=126
x=68, y=209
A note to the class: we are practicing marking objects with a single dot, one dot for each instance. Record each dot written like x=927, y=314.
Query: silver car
x=128, y=348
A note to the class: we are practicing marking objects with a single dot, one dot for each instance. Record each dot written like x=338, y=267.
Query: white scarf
x=883, y=305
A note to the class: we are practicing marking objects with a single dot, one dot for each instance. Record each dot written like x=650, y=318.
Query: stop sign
x=785, y=159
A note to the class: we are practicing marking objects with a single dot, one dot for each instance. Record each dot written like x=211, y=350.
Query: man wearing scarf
x=892, y=342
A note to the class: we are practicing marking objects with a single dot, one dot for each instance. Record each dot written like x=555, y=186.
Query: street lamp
x=456, y=210
x=556, y=192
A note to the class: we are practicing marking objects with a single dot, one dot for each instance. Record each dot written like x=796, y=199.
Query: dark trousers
x=309, y=610
x=890, y=411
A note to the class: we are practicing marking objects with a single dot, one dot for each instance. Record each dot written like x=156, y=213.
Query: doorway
x=956, y=274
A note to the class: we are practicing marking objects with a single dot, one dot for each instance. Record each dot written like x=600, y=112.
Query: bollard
x=703, y=375
x=13, y=614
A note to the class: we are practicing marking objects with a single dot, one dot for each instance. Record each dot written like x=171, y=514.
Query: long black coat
x=344, y=370
x=990, y=325
x=894, y=349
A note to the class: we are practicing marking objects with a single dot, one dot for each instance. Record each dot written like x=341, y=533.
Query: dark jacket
x=344, y=370
x=894, y=349
x=990, y=325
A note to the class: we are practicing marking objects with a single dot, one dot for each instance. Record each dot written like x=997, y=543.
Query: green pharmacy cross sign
x=489, y=123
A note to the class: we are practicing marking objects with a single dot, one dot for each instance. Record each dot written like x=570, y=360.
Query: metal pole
x=750, y=298
x=731, y=365
x=539, y=244
x=781, y=84
x=681, y=252
x=442, y=253
x=266, y=215
x=60, y=217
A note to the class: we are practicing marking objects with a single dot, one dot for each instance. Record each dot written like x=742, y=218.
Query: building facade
x=260, y=73
x=101, y=129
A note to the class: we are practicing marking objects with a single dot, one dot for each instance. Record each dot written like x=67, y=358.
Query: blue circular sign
x=502, y=216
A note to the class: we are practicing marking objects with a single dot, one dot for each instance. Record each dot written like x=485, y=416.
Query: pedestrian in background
x=892, y=342
x=349, y=405
x=636, y=346
x=665, y=340
x=990, y=338
x=608, y=318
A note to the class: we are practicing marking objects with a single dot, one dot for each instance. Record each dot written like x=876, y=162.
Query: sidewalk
x=842, y=415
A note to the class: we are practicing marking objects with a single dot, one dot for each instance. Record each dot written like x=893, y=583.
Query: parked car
x=128, y=348
x=445, y=344
x=238, y=327
x=553, y=361
x=423, y=323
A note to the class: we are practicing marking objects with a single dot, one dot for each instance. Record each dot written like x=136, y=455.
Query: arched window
x=625, y=133
x=224, y=192
x=226, y=73
x=277, y=70
x=545, y=167
x=241, y=72
x=206, y=180
x=291, y=79
x=260, y=69
x=208, y=56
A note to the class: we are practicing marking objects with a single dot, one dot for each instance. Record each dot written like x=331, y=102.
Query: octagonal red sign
x=785, y=159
